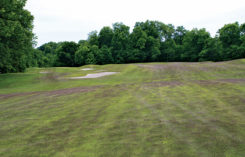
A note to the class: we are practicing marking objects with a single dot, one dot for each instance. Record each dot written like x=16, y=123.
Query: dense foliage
x=150, y=41
x=16, y=37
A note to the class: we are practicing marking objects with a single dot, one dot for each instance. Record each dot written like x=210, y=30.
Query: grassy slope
x=160, y=109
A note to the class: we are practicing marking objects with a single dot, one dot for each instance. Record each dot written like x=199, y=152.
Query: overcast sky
x=72, y=20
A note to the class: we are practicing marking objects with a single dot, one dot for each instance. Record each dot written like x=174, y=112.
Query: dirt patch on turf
x=163, y=83
x=207, y=82
x=60, y=92
x=52, y=76
x=200, y=82
x=192, y=66
x=169, y=66
x=219, y=81
x=7, y=96
x=71, y=91
x=241, y=80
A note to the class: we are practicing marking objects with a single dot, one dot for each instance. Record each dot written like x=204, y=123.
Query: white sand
x=44, y=72
x=87, y=69
x=95, y=75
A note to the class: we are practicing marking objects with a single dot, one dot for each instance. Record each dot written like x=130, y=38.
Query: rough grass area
x=154, y=109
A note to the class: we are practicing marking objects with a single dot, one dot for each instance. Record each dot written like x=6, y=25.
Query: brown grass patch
x=60, y=92
x=169, y=66
x=163, y=83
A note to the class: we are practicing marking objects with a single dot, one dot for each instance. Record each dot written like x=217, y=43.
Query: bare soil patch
x=59, y=92
x=207, y=82
x=163, y=83
x=241, y=80
x=7, y=96
x=170, y=66
x=70, y=91
x=219, y=81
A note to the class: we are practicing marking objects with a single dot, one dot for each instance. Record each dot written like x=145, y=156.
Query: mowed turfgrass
x=145, y=110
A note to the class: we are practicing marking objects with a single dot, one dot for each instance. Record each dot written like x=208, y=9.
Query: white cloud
x=60, y=20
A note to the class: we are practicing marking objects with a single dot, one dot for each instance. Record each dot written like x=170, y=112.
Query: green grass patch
x=153, y=109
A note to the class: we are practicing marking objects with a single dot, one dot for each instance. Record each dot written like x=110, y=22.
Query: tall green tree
x=179, y=34
x=194, y=42
x=138, y=39
x=120, y=43
x=49, y=50
x=230, y=37
x=49, y=47
x=81, y=54
x=93, y=38
x=105, y=55
x=242, y=39
x=105, y=37
x=16, y=37
x=230, y=34
x=66, y=54
x=156, y=32
x=211, y=51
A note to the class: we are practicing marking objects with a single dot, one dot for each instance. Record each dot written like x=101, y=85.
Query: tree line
x=149, y=41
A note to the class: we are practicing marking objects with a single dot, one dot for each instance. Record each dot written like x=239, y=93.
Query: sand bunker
x=87, y=69
x=95, y=75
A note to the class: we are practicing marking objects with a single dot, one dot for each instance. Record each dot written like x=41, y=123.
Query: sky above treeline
x=72, y=20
